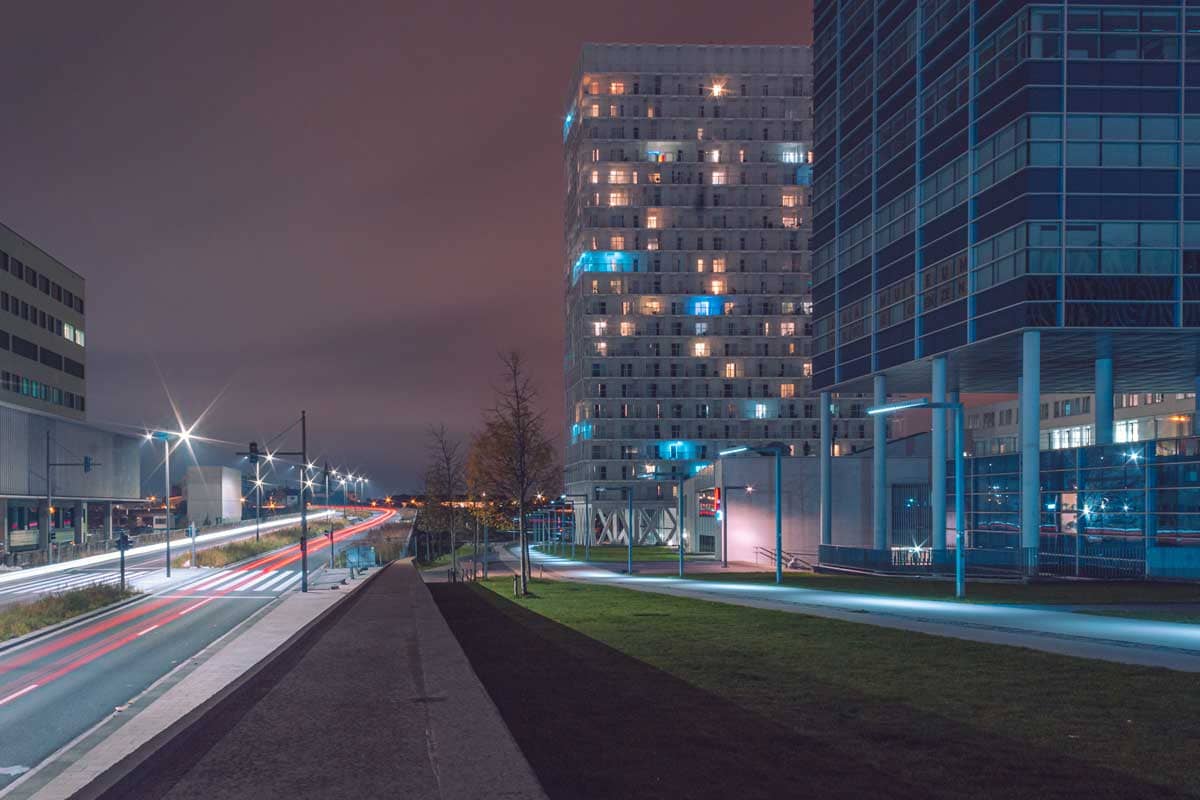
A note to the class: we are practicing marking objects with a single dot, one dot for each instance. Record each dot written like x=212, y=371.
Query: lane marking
x=18, y=693
x=193, y=607
x=147, y=630
x=283, y=587
x=275, y=579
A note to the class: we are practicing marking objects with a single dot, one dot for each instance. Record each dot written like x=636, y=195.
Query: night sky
x=346, y=207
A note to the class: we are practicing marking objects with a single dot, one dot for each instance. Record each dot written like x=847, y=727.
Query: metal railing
x=804, y=561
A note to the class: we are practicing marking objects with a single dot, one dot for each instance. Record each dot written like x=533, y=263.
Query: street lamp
x=777, y=451
x=165, y=437
x=960, y=579
x=679, y=478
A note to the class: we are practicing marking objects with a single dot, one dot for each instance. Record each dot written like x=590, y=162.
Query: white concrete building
x=687, y=270
x=213, y=495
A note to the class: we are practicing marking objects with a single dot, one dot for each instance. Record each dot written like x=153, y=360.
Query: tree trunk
x=524, y=548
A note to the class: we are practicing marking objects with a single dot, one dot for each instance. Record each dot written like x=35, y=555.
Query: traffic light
x=123, y=541
x=253, y=455
x=87, y=463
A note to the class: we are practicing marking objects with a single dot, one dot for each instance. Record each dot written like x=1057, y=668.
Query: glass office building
x=1006, y=199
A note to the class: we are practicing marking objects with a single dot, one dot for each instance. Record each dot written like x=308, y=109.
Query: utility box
x=213, y=495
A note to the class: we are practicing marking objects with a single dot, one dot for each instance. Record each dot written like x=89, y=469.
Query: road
x=57, y=687
x=144, y=566
x=1146, y=642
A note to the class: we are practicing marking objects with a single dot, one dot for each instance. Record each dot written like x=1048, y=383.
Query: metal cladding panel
x=23, y=457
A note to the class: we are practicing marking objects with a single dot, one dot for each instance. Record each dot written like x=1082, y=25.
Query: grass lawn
x=225, y=554
x=22, y=618
x=909, y=714
x=1082, y=593
x=1190, y=617
x=464, y=551
x=614, y=553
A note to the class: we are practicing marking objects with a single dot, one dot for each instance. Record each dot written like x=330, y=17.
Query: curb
x=110, y=779
x=12, y=644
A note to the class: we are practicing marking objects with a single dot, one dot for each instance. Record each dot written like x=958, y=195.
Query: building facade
x=42, y=343
x=688, y=305
x=1011, y=208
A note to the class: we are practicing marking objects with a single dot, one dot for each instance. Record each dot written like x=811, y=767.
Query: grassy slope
x=22, y=618
x=881, y=695
x=245, y=548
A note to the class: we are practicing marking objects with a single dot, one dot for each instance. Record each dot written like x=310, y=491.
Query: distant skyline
x=293, y=205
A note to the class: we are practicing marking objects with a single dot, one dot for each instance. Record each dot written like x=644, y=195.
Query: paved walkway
x=377, y=701
x=1132, y=641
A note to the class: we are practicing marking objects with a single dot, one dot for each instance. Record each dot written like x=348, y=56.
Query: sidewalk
x=377, y=701
x=1126, y=640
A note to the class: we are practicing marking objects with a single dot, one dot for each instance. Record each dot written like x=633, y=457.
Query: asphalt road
x=57, y=687
x=143, y=570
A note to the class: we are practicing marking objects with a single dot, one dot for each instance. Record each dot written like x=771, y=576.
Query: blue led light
x=581, y=430
x=567, y=122
x=603, y=261
x=804, y=175
x=705, y=306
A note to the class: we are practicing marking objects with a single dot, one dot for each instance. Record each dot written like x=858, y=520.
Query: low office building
x=53, y=466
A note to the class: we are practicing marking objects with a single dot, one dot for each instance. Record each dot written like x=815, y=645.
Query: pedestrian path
x=385, y=689
x=1172, y=645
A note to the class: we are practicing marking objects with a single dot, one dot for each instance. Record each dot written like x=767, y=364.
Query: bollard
x=516, y=585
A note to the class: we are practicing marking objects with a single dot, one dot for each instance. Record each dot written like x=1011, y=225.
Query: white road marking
x=288, y=583
x=256, y=582
x=18, y=693
x=193, y=607
x=275, y=580
x=143, y=633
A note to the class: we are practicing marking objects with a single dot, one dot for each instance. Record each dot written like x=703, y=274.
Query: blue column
x=937, y=477
x=1030, y=405
x=879, y=461
x=1104, y=398
x=825, y=467
x=1196, y=409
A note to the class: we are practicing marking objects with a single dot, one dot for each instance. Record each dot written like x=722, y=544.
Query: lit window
x=595, y=176
x=650, y=111
x=718, y=287
x=789, y=201
x=601, y=348
x=714, y=156
x=700, y=349
x=627, y=329
x=652, y=221
x=787, y=329
x=652, y=244
x=595, y=154
x=790, y=157
x=594, y=87
x=806, y=369
x=791, y=221
x=594, y=111
x=656, y=177
x=806, y=307
x=730, y=308
x=718, y=265
x=730, y=369
x=618, y=198
x=701, y=328
x=787, y=307
x=653, y=307
x=718, y=177
x=599, y=328
x=787, y=390
x=699, y=133
x=612, y=109
x=616, y=87
x=760, y=410
x=742, y=155
x=617, y=243
x=699, y=265
x=618, y=176
x=717, y=89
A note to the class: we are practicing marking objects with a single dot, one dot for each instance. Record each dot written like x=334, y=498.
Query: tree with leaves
x=512, y=457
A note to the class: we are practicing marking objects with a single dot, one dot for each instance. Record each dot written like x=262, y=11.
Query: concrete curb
x=108, y=778
x=24, y=639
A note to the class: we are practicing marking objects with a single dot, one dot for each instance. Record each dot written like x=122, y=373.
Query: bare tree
x=512, y=457
x=445, y=479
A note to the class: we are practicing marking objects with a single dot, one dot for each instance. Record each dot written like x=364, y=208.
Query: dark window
x=25, y=348
x=52, y=359
x=3, y=340
x=72, y=367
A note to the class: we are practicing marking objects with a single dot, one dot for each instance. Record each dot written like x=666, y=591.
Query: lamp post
x=960, y=578
x=679, y=478
x=586, y=514
x=777, y=451
x=165, y=438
